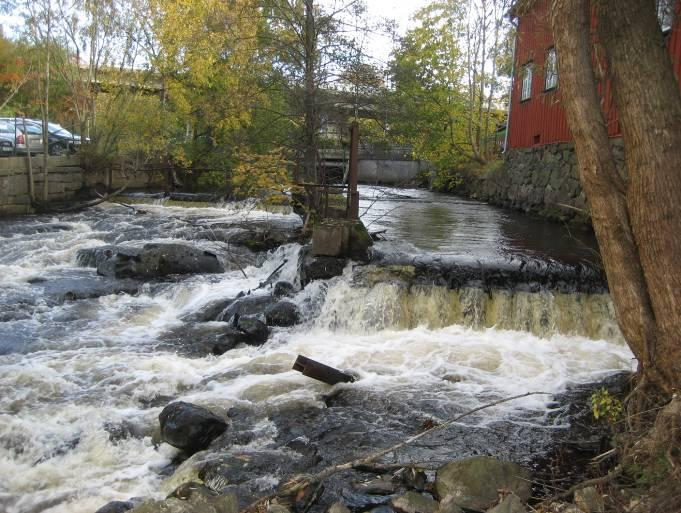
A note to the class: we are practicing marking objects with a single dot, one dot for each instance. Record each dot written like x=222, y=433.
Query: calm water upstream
x=73, y=373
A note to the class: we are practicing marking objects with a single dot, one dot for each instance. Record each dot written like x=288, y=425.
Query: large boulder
x=254, y=331
x=282, y=314
x=152, y=260
x=312, y=268
x=246, y=306
x=189, y=427
x=201, y=339
x=473, y=483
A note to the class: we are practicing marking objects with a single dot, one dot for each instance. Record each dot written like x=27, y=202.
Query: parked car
x=60, y=140
x=6, y=146
x=6, y=139
x=25, y=139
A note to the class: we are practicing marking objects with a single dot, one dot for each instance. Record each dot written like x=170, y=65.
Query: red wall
x=541, y=120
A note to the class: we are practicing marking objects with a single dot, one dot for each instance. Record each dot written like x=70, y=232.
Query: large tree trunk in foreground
x=649, y=102
x=601, y=182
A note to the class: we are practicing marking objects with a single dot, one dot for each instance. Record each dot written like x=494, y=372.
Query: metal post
x=353, y=194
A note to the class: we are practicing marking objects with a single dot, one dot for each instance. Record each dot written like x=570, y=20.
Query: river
x=82, y=381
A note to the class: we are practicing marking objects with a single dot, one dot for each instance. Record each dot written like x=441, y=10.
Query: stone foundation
x=543, y=180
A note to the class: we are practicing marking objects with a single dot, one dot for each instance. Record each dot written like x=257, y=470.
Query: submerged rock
x=189, y=427
x=282, y=314
x=116, y=507
x=150, y=261
x=473, y=482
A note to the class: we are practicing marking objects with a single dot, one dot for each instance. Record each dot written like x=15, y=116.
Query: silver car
x=28, y=139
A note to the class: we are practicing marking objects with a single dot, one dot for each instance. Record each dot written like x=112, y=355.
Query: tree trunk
x=601, y=182
x=310, y=150
x=649, y=103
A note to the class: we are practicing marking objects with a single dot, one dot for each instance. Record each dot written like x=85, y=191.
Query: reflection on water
x=419, y=220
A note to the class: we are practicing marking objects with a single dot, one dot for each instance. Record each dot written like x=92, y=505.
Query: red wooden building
x=536, y=116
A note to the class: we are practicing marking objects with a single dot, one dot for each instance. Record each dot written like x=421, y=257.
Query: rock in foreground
x=473, y=483
x=189, y=427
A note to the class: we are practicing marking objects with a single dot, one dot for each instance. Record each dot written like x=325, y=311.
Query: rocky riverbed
x=110, y=318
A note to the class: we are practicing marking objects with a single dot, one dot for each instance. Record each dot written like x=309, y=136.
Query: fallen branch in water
x=134, y=209
x=298, y=483
x=88, y=204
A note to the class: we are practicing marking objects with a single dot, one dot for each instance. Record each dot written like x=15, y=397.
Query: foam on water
x=58, y=404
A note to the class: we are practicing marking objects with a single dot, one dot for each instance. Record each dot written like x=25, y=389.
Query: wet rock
x=473, y=482
x=116, y=507
x=157, y=260
x=283, y=289
x=195, y=503
x=282, y=314
x=511, y=503
x=73, y=285
x=199, y=340
x=262, y=239
x=189, y=427
x=589, y=500
x=413, y=502
x=246, y=306
x=313, y=268
x=254, y=331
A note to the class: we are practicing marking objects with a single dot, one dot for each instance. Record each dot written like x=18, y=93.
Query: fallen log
x=320, y=372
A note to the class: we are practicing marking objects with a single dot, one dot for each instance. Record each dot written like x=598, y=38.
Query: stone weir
x=546, y=298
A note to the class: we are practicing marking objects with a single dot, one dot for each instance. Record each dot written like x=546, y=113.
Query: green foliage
x=606, y=406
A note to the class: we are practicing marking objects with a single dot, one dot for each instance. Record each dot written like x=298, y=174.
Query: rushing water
x=82, y=382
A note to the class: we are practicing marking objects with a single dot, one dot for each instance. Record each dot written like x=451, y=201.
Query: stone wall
x=543, y=180
x=66, y=181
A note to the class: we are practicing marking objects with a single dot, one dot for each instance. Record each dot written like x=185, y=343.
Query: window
x=665, y=14
x=551, y=70
x=526, y=88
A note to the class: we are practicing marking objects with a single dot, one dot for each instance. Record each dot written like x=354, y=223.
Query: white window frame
x=526, y=82
x=551, y=70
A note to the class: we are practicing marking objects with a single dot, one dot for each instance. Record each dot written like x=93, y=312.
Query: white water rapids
x=69, y=371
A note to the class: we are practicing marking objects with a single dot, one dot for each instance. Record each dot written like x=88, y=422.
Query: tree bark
x=570, y=21
x=649, y=103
